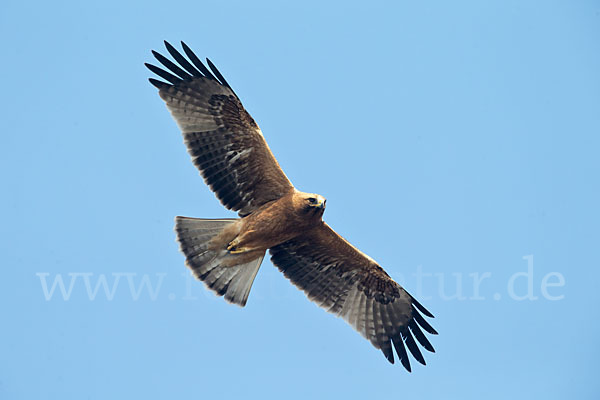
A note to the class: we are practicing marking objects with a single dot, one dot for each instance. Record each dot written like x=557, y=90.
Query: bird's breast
x=274, y=225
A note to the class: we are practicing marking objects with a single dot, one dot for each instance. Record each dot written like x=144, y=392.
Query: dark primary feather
x=225, y=143
x=424, y=324
x=421, y=338
x=218, y=74
x=345, y=282
x=197, y=61
x=163, y=74
x=401, y=351
x=198, y=69
x=182, y=61
x=171, y=66
x=421, y=308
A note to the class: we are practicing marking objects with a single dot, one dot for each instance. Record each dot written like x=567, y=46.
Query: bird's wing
x=225, y=143
x=346, y=282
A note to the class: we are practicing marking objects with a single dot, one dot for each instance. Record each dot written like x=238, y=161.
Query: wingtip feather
x=413, y=348
x=421, y=307
x=158, y=84
x=421, y=338
x=401, y=351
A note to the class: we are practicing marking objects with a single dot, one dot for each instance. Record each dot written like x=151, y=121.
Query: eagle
x=229, y=149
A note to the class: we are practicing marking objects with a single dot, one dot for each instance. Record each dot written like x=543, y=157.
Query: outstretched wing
x=346, y=282
x=225, y=143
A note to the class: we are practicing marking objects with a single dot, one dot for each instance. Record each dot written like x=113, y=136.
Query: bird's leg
x=234, y=246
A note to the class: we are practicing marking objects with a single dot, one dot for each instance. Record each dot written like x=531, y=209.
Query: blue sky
x=456, y=142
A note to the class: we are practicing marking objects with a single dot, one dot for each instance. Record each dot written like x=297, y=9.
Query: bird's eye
x=312, y=200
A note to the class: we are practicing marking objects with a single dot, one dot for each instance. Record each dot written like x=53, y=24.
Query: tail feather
x=207, y=264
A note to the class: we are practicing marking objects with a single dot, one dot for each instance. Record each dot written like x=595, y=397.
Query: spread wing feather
x=225, y=143
x=346, y=282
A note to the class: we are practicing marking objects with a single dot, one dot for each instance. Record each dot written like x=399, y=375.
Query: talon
x=233, y=244
x=237, y=251
x=233, y=249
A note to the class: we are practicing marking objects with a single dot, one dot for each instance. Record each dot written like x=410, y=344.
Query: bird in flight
x=229, y=149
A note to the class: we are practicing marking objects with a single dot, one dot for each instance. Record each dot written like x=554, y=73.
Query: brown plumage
x=228, y=148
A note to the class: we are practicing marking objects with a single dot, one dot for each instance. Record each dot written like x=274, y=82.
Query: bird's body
x=270, y=225
x=229, y=149
x=279, y=221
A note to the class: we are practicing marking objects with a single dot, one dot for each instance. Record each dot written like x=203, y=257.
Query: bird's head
x=313, y=203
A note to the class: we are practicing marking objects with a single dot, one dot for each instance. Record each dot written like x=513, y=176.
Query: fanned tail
x=215, y=267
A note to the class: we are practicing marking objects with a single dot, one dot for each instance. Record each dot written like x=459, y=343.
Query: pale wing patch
x=233, y=155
